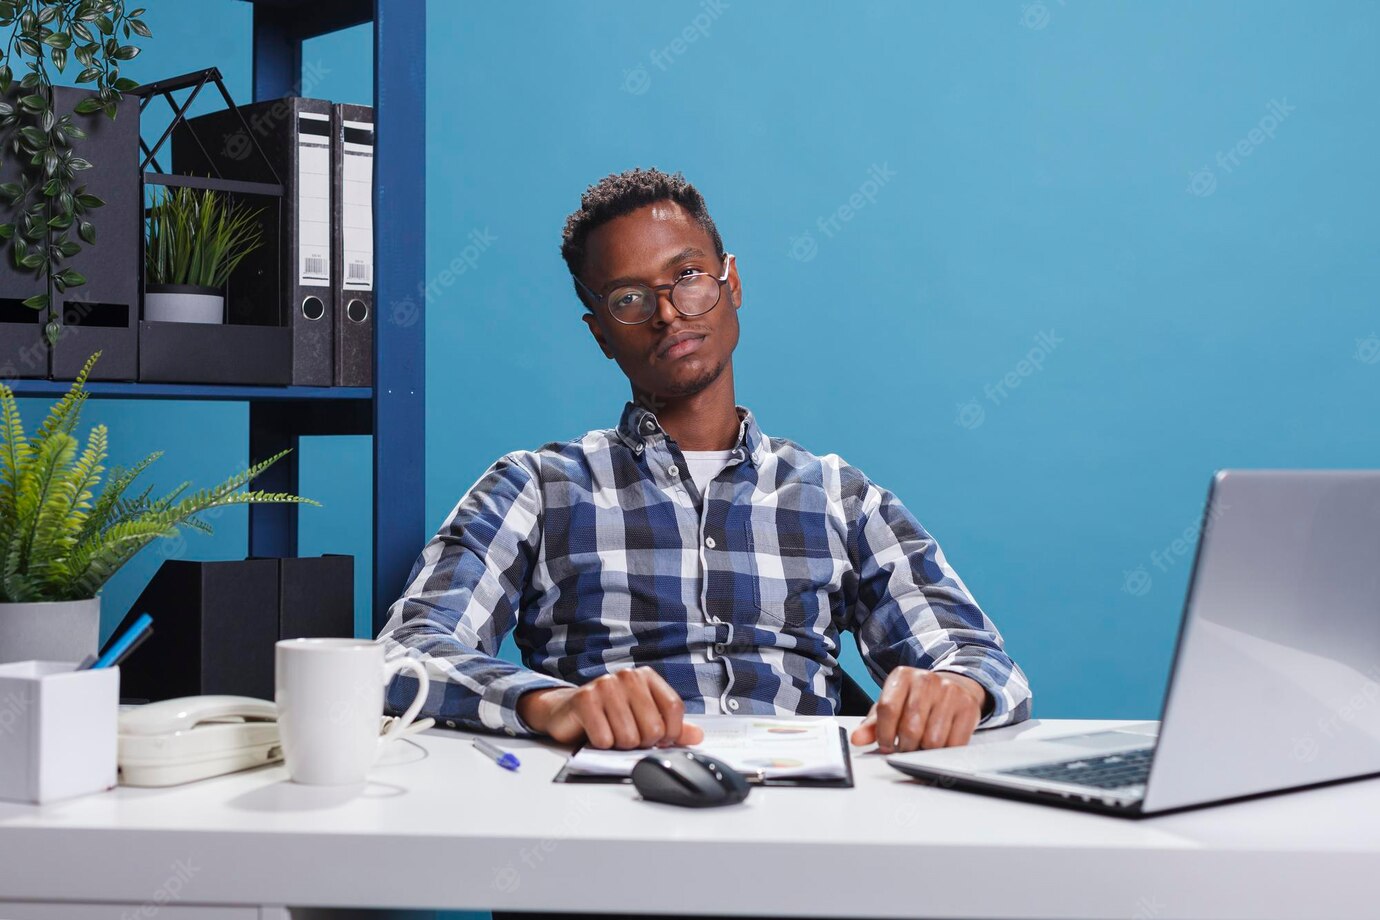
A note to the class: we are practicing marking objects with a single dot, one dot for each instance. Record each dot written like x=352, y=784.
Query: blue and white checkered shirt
x=602, y=554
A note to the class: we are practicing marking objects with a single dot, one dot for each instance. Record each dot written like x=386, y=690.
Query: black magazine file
x=102, y=314
x=215, y=623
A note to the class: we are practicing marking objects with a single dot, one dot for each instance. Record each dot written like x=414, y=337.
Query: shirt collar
x=639, y=425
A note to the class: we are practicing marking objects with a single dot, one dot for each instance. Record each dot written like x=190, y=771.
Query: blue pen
x=118, y=647
x=503, y=758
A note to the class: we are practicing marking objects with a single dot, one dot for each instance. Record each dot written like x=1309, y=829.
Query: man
x=685, y=562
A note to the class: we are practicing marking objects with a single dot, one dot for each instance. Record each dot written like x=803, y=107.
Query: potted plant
x=195, y=239
x=48, y=209
x=60, y=541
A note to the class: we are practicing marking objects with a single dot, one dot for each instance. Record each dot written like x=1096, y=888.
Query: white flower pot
x=183, y=303
x=50, y=630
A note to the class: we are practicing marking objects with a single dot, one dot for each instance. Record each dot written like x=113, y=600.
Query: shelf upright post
x=273, y=528
x=277, y=52
x=400, y=295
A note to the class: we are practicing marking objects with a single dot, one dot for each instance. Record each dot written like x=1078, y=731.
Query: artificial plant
x=61, y=541
x=47, y=202
x=198, y=237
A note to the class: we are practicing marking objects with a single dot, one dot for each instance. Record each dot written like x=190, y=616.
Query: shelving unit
x=393, y=410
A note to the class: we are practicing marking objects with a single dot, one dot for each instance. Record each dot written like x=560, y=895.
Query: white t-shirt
x=705, y=465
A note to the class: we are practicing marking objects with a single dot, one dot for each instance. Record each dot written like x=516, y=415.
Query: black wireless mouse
x=688, y=779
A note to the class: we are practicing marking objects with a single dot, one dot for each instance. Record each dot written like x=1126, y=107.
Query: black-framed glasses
x=692, y=294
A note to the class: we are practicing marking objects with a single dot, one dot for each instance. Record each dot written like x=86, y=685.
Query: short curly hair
x=621, y=193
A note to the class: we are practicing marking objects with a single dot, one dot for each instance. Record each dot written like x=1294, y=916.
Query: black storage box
x=224, y=353
x=215, y=623
x=316, y=596
x=100, y=315
x=287, y=280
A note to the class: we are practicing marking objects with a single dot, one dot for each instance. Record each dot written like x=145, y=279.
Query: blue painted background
x=1181, y=197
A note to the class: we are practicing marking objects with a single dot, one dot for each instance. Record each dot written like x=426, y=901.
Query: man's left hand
x=922, y=709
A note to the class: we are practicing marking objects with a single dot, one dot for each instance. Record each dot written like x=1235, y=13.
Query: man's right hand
x=629, y=708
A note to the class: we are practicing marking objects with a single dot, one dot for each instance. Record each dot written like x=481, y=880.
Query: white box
x=58, y=730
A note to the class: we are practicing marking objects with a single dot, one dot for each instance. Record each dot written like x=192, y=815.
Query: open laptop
x=1275, y=683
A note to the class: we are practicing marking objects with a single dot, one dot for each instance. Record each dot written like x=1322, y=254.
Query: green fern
x=59, y=539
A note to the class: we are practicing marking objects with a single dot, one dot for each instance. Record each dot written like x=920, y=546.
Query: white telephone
x=195, y=737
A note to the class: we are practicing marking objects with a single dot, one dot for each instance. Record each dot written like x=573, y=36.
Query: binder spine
x=308, y=272
x=352, y=157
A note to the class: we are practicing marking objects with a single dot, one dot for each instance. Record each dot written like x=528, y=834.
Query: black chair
x=853, y=699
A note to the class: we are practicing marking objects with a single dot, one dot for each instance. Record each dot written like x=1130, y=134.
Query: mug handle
x=390, y=668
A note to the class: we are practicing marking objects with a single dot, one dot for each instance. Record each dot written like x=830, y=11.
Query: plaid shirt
x=603, y=554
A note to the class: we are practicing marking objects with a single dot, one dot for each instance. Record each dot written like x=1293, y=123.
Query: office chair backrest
x=853, y=699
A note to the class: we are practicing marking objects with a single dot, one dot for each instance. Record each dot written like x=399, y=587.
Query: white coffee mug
x=330, y=695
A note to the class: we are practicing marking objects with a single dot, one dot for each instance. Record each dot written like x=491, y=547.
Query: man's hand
x=628, y=708
x=922, y=709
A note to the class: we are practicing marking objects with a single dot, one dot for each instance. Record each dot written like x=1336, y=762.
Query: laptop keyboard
x=1108, y=771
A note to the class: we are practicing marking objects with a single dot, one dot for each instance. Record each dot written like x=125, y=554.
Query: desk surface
x=446, y=828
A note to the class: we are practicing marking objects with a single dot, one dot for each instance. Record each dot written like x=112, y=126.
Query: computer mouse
x=688, y=779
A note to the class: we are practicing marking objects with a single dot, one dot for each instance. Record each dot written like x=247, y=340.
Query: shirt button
x=719, y=647
x=709, y=542
x=673, y=470
x=733, y=704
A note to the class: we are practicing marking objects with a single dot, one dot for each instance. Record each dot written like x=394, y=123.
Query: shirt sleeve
x=463, y=596
x=912, y=609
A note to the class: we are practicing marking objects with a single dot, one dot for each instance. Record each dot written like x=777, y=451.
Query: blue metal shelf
x=106, y=390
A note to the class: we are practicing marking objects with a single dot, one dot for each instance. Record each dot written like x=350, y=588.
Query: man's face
x=657, y=244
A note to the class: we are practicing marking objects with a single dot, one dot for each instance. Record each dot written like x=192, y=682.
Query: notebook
x=769, y=750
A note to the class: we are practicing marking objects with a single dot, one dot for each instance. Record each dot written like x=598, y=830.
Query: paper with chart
x=777, y=747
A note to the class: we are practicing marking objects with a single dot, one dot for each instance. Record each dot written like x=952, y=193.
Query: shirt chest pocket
x=793, y=573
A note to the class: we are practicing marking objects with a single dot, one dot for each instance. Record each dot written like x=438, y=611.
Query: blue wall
x=1045, y=160
x=1083, y=170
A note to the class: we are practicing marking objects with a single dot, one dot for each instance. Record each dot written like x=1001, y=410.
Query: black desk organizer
x=102, y=314
x=255, y=345
x=215, y=623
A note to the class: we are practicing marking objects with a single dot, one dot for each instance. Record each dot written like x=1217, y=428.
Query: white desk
x=452, y=830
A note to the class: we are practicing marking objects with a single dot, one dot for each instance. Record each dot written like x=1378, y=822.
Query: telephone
x=196, y=737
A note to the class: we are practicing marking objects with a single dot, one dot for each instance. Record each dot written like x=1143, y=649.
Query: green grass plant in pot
x=67, y=524
x=194, y=240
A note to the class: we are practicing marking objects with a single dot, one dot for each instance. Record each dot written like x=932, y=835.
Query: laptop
x=1275, y=683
